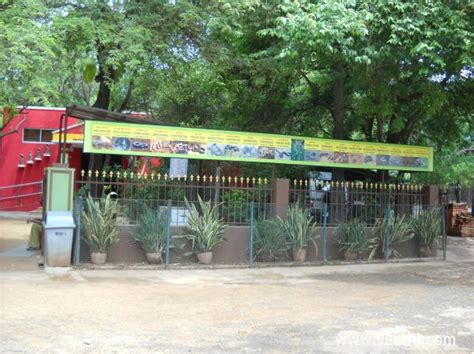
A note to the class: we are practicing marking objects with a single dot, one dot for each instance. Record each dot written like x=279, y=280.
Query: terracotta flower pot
x=204, y=257
x=153, y=257
x=98, y=257
x=427, y=251
x=299, y=254
x=351, y=256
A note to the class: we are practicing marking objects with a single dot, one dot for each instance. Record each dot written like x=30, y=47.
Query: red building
x=29, y=145
x=27, y=148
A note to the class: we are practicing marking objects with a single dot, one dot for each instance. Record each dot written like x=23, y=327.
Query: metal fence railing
x=457, y=194
x=325, y=246
x=233, y=194
x=24, y=196
x=135, y=193
x=348, y=200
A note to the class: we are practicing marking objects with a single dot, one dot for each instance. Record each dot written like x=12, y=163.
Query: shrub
x=427, y=227
x=152, y=230
x=353, y=236
x=399, y=230
x=99, y=223
x=297, y=227
x=205, y=226
x=269, y=240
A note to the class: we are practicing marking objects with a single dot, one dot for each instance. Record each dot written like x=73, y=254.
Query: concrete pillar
x=281, y=196
x=431, y=195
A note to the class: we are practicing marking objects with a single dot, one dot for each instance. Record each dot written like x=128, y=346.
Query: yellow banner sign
x=164, y=141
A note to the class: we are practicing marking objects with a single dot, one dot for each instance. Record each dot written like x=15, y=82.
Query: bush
x=353, y=236
x=99, y=223
x=427, y=227
x=298, y=227
x=399, y=230
x=152, y=230
x=269, y=240
x=205, y=226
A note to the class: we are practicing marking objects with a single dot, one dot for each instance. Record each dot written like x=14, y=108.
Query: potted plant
x=151, y=233
x=299, y=229
x=427, y=228
x=353, y=239
x=99, y=225
x=205, y=227
x=397, y=229
x=268, y=239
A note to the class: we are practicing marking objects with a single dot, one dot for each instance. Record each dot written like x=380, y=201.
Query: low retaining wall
x=233, y=250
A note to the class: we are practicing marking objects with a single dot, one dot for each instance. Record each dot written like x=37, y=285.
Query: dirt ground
x=395, y=308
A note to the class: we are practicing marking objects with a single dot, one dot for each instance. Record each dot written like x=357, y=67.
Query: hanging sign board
x=178, y=167
x=207, y=144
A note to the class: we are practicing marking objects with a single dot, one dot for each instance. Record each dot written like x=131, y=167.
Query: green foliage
x=99, y=223
x=235, y=204
x=298, y=227
x=395, y=72
x=397, y=228
x=427, y=226
x=353, y=236
x=151, y=231
x=205, y=226
x=269, y=240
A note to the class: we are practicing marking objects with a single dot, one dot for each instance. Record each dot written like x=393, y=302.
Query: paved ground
x=358, y=308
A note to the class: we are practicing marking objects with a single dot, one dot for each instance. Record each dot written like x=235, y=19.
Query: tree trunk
x=338, y=115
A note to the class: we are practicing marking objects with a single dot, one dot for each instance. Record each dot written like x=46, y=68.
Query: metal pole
x=325, y=236
x=77, y=248
x=388, y=217
x=168, y=236
x=443, y=230
x=251, y=235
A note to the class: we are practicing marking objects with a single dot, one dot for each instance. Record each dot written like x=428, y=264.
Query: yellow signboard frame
x=208, y=144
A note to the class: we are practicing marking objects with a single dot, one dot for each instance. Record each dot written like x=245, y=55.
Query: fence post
x=388, y=217
x=325, y=234
x=168, y=235
x=250, y=245
x=444, y=235
x=77, y=236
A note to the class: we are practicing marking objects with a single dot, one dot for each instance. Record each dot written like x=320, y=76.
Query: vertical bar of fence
x=168, y=236
x=325, y=234
x=77, y=236
x=387, y=232
x=443, y=230
x=250, y=245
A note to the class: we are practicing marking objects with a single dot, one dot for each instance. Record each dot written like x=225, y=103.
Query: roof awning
x=75, y=134
x=103, y=115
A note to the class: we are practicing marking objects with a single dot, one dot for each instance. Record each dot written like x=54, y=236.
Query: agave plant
x=427, y=227
x=353, y=236
x=398, y=229
x=99, y=223
x=151, y=231
x=205, y=226
x=298, y=227
x=269, y=240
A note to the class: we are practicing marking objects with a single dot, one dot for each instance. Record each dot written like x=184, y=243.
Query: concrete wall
x=232, y=250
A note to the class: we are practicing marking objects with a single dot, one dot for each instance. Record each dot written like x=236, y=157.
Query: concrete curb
x=19, y=215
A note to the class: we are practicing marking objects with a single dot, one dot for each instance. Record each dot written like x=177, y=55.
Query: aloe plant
x=269, y=240
x=205, y=226
x=353, y=236
x=151, y=231
x=399, y=230
x=427, y=227
x=298, y=227
x=99, y=223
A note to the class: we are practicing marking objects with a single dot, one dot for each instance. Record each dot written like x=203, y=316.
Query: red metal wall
x=13, y=145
